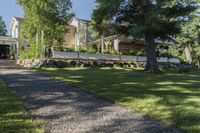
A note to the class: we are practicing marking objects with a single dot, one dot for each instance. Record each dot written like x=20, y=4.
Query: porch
x=123, y=43
x=8, y=48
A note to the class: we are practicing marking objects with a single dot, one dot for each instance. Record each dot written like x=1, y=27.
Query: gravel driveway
x=67, y=110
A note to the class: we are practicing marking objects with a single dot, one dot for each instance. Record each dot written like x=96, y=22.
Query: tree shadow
x=67, y=107
x=171, y=97
x=12, y=115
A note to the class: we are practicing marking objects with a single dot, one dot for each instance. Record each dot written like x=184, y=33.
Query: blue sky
x=9, y=8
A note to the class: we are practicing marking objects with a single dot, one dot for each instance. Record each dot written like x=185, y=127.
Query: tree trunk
x=198, y=64
x=188, y=54
x=152, y=64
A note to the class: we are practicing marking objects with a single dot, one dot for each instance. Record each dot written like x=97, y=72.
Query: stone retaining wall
x=62, y=63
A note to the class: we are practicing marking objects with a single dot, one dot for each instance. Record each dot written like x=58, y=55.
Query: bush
x=185, y=68
x=59, y=49
x=81, y=49
x=12, y=55
x=140, y=53
x=31, y=53
x=114, y=52
x=70, y=50
x=91, y=50
x=133, y=53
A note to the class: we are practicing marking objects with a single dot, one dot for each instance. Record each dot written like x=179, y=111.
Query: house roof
x=168, y=41
x=82, y=20
x=7, y=40
x=19, y=18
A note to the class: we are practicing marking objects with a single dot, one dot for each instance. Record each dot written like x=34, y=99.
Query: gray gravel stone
x=68, y=110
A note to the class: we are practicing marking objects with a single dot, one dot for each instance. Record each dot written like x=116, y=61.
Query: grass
x=171, y=97
x=13, y=118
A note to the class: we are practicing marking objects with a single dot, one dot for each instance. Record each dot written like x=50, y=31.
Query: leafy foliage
x=190, y=38
x=34, y=52
x=51, y=16
x=143, y=18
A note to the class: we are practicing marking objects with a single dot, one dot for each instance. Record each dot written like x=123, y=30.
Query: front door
x=4, y=51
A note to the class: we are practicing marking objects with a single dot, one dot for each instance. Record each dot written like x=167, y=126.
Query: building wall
x=15, y=29
x=125, y=46
x=15, y=33
x=70, y=39
x=82, y=33
x=78, y=34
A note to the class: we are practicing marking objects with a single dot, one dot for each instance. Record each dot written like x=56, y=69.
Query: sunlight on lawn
x=13, y=118
x=170, y=97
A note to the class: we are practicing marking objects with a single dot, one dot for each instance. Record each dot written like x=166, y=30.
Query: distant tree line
x=3, y=30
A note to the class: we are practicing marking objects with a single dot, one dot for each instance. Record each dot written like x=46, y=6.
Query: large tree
x=3, y=30
x=144, y=18
x=51, y=16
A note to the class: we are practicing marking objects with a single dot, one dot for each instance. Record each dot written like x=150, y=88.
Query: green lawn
x=13, y=118
x=170, y=97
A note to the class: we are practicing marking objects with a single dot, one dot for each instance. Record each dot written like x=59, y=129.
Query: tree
x=190, y=39
x=3, y=30
x=144, y=18
x=51, y=16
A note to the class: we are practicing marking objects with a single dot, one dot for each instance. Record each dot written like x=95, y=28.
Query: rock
x=73, y=63
x=62, y=64
x=51, y=62
x=94, y=64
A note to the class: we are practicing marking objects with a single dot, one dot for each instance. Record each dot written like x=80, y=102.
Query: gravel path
x=67, y=110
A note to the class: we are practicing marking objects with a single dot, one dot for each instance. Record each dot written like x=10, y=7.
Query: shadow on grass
x=12, y=115
x=171, y=97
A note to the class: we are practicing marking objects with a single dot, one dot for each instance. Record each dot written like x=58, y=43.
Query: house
x=77, y=37
x=122, y=43
x=8, y=44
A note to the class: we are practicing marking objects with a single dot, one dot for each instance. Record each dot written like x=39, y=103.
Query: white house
x=9, y=44
x=77, y=36
x=15, y=32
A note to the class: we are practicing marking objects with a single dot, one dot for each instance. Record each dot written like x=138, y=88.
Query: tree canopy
x=3, y=30
x=144, y=18
x=51, y=16
x=190, y=39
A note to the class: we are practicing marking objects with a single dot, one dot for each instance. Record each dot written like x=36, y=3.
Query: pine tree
x=144, y=18
x=3, y=30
